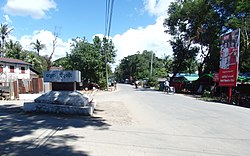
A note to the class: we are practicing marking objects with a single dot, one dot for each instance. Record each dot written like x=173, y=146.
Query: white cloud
x=46, y=37
x=35, y=8
x=151, y=37
x=7, y=18
x=157, y=7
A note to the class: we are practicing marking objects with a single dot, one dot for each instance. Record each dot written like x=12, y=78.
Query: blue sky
x=136, y=24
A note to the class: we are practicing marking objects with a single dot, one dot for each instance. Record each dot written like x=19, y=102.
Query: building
x=184, y=82
x=13, y=70
x=17, y=76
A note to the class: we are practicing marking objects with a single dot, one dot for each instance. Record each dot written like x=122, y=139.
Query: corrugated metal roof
x=191, y=78
x=11, y=60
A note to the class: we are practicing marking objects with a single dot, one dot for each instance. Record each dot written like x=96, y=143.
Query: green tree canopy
x=203, y=22
x=90, y=59
x=38, y=46
x=4, y=33
x=13, y=49
x=138, y=66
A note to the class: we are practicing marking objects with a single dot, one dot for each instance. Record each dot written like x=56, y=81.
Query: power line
x=108, y=19
x=108, y=16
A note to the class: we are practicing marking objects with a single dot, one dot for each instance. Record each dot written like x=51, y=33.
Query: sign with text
x=62, y=76
x=229, y=59
x=216, y=77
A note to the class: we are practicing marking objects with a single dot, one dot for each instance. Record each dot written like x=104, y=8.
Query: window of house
x=23, y=70
x=1, y=68
x=12, y=69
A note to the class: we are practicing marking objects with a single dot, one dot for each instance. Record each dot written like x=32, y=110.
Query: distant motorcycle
x=170, y=90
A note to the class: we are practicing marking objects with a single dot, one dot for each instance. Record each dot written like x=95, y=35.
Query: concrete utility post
x=151, y=65
x=106, y=60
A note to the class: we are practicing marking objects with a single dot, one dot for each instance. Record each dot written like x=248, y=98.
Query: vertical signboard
x=229, y=59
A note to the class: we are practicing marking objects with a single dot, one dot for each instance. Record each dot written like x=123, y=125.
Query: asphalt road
x=132, y=122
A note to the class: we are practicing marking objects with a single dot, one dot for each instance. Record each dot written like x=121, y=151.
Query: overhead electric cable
x=108, y=19
x=108, y=16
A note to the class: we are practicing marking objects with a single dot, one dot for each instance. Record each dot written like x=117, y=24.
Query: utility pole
x=108, y=18
x=106, y=60
x=151, y=65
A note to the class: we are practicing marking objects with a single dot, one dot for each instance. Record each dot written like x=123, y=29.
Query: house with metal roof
x=13, y=70
x=15, y=77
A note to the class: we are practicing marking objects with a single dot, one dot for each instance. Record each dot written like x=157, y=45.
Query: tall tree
x=38, y=62
x=89, y=58
x=4, y=33
x=204, y=21
x=38, y=46
x=239, y=17
x=13, y=49
x=48, y=58
x=167, y=64
x=107, y=52
x=138, y=66
x=182, y=56
x=83, y=57
x=196, y=22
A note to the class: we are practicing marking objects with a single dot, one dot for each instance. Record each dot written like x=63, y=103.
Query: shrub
x=152, y=82
x=206, y=94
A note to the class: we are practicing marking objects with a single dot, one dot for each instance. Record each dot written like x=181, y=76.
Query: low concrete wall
x=59, y=109
x=28, y=96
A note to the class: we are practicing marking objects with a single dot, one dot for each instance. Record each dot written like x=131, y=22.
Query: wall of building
x=7, y=76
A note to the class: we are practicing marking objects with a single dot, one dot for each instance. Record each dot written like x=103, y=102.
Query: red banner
x=229, y=59
x=216, y=77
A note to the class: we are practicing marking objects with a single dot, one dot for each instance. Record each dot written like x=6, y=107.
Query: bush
x=103, y=84
x=206, y=94
x=152, y=82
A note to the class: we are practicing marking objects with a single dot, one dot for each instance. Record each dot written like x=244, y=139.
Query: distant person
x=115, y=83
x=136, y=84
x=166, y=86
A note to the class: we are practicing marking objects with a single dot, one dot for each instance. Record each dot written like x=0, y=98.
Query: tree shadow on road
x=16, y=125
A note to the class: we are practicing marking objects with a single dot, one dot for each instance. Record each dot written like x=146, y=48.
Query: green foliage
x=203, y=22
x=183, y=56
x=62, y=62
x=13, y=49
x=37, y=46
x=206, y=94
x=152, y=82
x=102, y=83
x=4, y=33
x=138, y=65
x=85, y=58
x=192, y=22
x=90, y=59
x=38, y=62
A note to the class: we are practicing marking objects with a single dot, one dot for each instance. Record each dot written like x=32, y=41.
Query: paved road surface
x=130, y=122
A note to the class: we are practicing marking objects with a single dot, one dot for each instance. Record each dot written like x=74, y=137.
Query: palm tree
x=13, y=49
x=33, y=59
x=4, y=32
x=38, y=46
